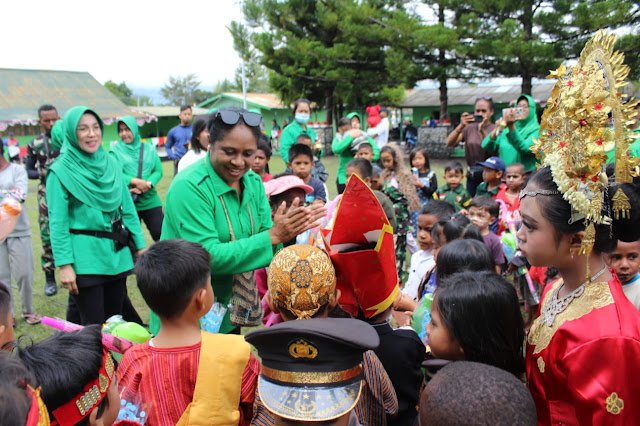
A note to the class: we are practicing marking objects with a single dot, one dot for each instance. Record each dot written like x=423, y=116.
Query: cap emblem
x=302, y=349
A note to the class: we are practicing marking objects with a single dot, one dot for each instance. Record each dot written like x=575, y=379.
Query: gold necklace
x=556, y=305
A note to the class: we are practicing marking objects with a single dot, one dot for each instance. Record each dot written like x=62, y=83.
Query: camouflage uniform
x=401, y=206
x=40, y=155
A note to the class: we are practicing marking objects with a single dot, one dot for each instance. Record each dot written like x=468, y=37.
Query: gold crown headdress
x=585, y=118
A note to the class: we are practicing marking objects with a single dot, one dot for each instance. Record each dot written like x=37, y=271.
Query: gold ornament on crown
x=585, y=118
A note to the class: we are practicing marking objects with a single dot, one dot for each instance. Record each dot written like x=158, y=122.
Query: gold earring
x=572, y=252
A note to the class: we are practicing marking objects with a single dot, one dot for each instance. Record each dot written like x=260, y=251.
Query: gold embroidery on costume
x=595, y=296
x=614, y=404
x=540, y=362
x=302, y=349
x=621, y=205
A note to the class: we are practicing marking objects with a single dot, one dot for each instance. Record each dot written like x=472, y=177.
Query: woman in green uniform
x=301, y=115
x=222, y=205
x=129, y=151
x=92, y=218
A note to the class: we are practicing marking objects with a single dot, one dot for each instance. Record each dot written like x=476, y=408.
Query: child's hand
x=417, y=182
x=464, y=212
x=403, y=318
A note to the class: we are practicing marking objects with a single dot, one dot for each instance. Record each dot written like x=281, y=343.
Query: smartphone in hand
x=477, y=118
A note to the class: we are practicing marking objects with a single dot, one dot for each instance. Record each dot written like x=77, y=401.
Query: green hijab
x=355, y=114
x=94, y=179
x=57, y=135
x=128, y=154
x=528, y=127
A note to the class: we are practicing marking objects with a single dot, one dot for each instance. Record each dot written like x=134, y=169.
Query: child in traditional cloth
x=184, y=375
x=302, y=285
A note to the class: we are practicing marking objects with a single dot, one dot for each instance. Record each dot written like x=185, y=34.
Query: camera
x=518, y=112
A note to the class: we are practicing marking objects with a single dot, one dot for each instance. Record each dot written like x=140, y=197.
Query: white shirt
x=382, y=130
x=632, y=291
x=189, y=158
x=421, y=263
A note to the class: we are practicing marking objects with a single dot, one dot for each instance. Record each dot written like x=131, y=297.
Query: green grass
x=55, y=306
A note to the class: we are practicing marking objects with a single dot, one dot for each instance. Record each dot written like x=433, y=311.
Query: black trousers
x=341, y=187
x=98, y=301
x=153, y=219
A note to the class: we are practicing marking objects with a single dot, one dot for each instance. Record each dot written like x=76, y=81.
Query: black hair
x=303, y=137
x=558, y=211
x=439, y=208
x=365, y=145
x=169, y=273
x=463, y=255
x=422, y=151
x=363, y=165
x=391, y=151
x=264, y=147
x=487, y=203
x=301, y=101
x=344, y=121
x=459, y=226
x=495, y=398
x=455, y=166
x=551, y=273
x=488, y=99
x=5, y=302
x=481, y=310
x=300, y=149
x=64, y=364
x=1, y=147
x=15, y=401
x=46, y=107
x=375, y=171
x=199, y=124
x=218, y=129
x=185, y=107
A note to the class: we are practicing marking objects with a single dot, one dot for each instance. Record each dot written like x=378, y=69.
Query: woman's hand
x=356, y=133
x=140, y=185
x=287, y=226
x=68, y=278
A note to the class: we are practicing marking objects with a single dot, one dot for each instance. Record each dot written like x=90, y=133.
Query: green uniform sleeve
x=519, y=143
x=130, y=218
x=376, y=149
x=338, y=147
x=189, y=212
x=58, y=204
x=287, y=139
x=156, y=175
x=489, y=144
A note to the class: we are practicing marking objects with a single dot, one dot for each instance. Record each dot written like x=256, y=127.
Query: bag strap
x=226, y=214
x=140, y=158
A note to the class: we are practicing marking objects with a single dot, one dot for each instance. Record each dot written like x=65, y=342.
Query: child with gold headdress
x=583, y=351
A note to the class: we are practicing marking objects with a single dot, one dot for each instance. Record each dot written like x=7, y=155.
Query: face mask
x=302, y=118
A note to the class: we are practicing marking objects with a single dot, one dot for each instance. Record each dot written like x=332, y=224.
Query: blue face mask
x=302, y=118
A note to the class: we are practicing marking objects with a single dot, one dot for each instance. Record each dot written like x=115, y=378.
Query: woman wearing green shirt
x=220, y=203
x=514, y=141
x=301, y=114
x=89, y=203
x=127, y=151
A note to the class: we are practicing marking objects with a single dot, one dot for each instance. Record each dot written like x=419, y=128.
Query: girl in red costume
x=583, y=351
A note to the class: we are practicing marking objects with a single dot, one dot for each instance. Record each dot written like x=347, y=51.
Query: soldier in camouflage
x=40, y=155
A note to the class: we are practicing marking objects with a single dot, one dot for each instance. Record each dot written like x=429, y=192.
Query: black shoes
x=50, y=286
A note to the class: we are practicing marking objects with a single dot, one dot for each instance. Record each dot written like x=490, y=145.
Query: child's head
x=548, y=236
x=344, y=125
x=302, y=283
x=365, y=150
x=16, y=398
x=515, y=177
x=432, y=212
x=389, y=157
x=483, y=211
x=286, y=189
x=625, y=260
x=174, y=278
x=493, y=170
x=463, y=255
x=419, y=159
x=496, y=397
x=459, y=226
x=476, y=316
x=453, y=174
x=261, y=158
x=304, y=139
x=376, y=177
x=360, y=167
x=301, y=160
x=75, y=371
x=6, y=318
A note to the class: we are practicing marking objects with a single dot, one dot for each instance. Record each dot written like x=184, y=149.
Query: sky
x=139, y=42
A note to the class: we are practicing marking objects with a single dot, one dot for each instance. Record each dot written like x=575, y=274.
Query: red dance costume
x=585, y=367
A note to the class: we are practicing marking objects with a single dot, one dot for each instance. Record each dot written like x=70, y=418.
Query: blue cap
x=494, y=163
